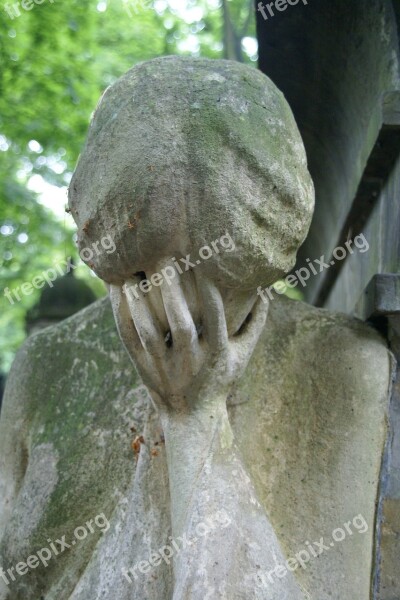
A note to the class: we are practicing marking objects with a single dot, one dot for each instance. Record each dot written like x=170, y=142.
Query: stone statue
x=229, y=448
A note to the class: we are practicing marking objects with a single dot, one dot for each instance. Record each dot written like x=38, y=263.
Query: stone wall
x=334, y=60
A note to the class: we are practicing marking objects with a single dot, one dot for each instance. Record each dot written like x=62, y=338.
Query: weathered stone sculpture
x=258, y=434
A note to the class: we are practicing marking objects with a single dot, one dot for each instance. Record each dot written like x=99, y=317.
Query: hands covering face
x=177, y=336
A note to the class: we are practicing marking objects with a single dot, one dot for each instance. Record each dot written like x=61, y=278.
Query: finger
x=188, y=285
x=182, y=327
x=249, y=333
x=125, y=325
x=215, y=329
x=147, y=327
x=156, y=305
x=238, y=304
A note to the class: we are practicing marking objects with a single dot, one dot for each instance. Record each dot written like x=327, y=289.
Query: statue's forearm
x=191, y=440
x=207, y=482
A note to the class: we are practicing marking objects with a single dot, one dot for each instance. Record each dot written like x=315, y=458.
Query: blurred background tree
x=56, y=60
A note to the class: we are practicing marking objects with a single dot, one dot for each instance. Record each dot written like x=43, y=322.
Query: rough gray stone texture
x=181, y=150
x=309, y=418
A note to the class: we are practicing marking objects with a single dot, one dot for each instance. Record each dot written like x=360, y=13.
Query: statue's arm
x=221, y=528
x=228, y=543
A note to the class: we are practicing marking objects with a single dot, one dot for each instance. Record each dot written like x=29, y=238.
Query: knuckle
x=153, y=345
x=183, y=335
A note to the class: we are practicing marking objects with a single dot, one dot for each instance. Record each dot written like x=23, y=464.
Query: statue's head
x=181, y=151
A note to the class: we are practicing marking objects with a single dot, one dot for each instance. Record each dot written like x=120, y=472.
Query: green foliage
x=56, y=60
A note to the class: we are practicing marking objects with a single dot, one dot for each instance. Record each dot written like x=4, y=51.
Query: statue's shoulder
x=92, y=327
x=68, y=410
x=330, y=344
x=65, y=358
x=314, y=402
